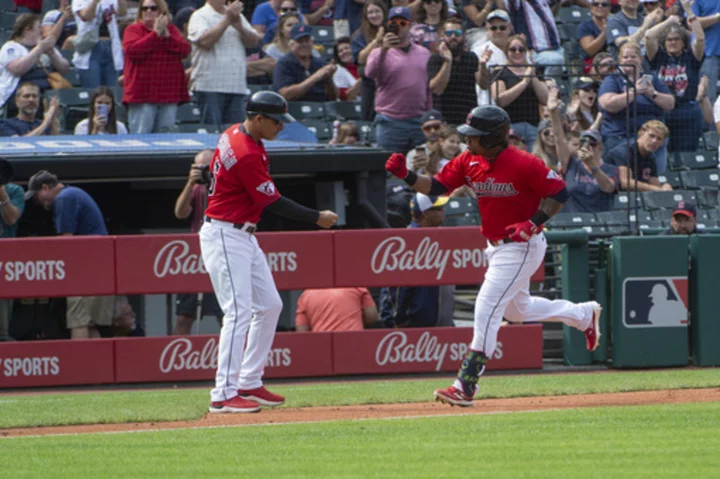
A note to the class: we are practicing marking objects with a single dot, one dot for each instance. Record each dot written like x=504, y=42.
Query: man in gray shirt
x=627, y=25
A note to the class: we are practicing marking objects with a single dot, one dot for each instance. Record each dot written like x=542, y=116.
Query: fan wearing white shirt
x=102, y=116
x=499, y=29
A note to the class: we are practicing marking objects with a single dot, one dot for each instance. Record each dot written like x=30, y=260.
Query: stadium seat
x=73, y=116
x=572, y=220
x=73, y=77
x=196, y=128
x=4, y=36
x=700, y=179
x=572, y=14
x=188, y=113
x=708, y=198
x=121, y=113
x=68, y=54
x=673, y=178
x=118, y=92
x=662, y=215
x=322, y=129
x=652, y=225
x=306, y=110
x=696, y=160
x=711, y=140
x=367, y=131
x=622, y=200
x=71, y=96
x=343, y=110
x=7, y=20
x=568, y=32
x=7, y=6
x=657, y=200
x=461, y=212
x=254, y=88
x=323, y=35
x=619, y=218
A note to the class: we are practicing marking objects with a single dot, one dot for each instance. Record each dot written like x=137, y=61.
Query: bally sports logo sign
x=411, y=257
x=173, y=263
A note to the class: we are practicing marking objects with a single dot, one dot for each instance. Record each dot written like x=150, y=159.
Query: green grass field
x=653, y=441
x=172, y=405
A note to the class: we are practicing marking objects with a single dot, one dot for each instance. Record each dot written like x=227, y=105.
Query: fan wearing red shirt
x=516, y=194
x=240, y=189
x=154, y=76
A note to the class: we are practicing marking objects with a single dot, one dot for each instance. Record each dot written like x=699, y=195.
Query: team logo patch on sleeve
x=267, y=188
x=552, y=175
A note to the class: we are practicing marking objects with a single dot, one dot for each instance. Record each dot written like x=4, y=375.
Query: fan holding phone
x=102, y=118
x=399, y=69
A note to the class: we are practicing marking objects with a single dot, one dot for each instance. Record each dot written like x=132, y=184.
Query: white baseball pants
x=247, y=294
x=506, y=292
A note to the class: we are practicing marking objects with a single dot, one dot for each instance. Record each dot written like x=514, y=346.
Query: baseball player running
x=241, y=188
x=516, y=194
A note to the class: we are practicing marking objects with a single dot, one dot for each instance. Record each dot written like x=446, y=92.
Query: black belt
x=248, y=228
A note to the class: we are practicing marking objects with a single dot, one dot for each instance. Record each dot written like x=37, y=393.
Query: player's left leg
x=267, y=306
x=526, y=308
x=510, y=267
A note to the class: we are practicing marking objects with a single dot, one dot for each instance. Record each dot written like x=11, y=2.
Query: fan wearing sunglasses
x=518, y=90
x=677, y=61
x=591, y=33
x=453, y=72
x=499, y=31
x=153, y=93
x=399, y=69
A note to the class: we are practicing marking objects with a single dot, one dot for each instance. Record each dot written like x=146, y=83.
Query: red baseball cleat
x=592, y=333
x=262, y=396
x=234, y=405
x=453, y=396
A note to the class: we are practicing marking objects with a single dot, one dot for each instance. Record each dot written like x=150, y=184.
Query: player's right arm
x=451, y=177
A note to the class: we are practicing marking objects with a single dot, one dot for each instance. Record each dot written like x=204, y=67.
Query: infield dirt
x=291, y=415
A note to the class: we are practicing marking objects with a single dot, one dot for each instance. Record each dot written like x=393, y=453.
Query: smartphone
x=648, y=79
x=393, y=28
x=103, y=111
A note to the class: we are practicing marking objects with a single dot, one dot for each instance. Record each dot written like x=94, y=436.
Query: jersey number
x=213, y=175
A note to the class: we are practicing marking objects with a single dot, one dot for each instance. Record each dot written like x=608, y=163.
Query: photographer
x=12, y=204
x=192, y=203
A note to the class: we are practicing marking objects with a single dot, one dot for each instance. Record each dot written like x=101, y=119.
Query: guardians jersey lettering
x=509, y=189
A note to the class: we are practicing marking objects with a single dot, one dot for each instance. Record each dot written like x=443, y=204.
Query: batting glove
x=397, y=166
x=522, y=232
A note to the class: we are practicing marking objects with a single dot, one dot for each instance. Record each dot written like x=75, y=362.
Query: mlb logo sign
x=655, y=302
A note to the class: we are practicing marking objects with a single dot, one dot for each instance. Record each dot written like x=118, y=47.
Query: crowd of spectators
x=608, y=115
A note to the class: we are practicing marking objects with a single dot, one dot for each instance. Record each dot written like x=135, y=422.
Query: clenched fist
x=397, y=165
x=522, y=232
x=327, y=219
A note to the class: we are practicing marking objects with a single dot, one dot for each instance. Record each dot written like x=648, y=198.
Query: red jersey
x=509, y=189
x=241, y=186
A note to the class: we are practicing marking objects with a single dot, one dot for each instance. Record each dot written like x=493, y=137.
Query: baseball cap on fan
x=38, y=180
x=402, y=12
x=300, y=30
x=685, y=208
x=501, y=14
x=420, y=203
